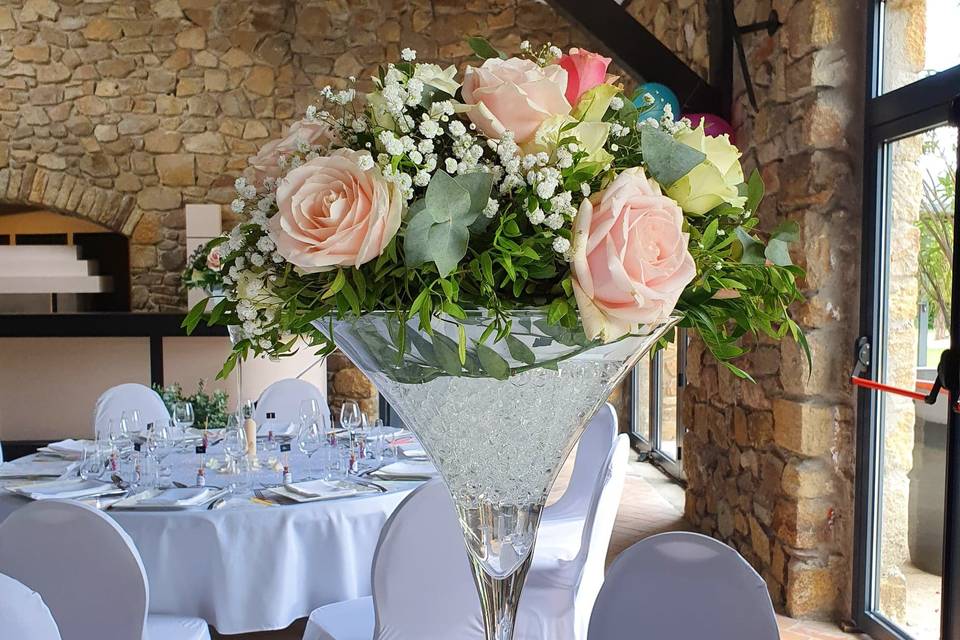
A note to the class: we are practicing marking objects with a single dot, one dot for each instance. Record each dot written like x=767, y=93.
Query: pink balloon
x=712, y=125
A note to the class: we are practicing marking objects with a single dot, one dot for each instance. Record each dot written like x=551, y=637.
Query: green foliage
x=483, y=49
x=209, y=409
x=667, y=159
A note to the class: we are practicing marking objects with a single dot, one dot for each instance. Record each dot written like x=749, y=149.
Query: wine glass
x=159, y=445
x=310, y=439
x=183, y=415
x=235, y=443
x=350, y=415
x=130, y=423
x=309, y=410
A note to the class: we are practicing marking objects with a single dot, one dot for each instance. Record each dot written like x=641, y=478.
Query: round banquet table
x=248, y=567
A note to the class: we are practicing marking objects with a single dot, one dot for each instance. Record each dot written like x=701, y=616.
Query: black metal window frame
x=923, y=105
x=648, y=444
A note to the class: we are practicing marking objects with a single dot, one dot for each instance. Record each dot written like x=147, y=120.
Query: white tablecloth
x=248, y=567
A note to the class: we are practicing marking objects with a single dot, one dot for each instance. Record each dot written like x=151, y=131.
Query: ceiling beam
x=641, y=54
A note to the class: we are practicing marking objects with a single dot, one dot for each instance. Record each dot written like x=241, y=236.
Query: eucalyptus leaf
x=788, y=231
x=778, y=252
x=667, y=159
x=447, y=243
x=752, y=248
x=446, y=198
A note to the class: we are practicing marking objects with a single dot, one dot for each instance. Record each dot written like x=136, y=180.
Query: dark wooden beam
x=638, y=52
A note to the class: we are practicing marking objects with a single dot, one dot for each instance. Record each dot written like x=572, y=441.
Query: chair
x=88, y=572
x=569, y=585
x=420, y=562
x=283, y=398
x=23, y=613
x=682, y=585
x=125, y=397
x=562, y=523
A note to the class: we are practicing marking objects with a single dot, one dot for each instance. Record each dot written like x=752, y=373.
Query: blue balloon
x=662, y=95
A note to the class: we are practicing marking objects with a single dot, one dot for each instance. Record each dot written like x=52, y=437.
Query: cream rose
x=713, y=181
x=266, y=164
x=336, y=210
x=630, y=258
x=514, y=95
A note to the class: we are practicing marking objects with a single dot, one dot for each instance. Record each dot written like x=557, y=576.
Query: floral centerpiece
x=495, y=249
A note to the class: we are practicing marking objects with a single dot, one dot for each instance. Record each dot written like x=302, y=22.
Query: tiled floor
x=651, y=504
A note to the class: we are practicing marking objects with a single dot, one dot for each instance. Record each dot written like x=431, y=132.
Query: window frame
x=924, y=104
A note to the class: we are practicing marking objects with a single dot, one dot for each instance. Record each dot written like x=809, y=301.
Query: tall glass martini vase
x=497, y=419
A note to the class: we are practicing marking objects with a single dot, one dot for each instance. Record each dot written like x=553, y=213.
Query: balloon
x=662, y=95
x=712, y=125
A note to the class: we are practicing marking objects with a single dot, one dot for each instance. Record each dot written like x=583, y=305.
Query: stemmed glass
x=183, y=415
x=309, y=410
x=310, y=439
x=350, y=416
x=235, y=444
x=130, y=423
x=159, y=445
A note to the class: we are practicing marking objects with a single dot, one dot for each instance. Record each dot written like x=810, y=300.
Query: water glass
x=91, y=462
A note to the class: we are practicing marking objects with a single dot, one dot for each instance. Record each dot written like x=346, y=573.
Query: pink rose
x=630, y=258
x=514, y=95
x=214, y=259
x=266, y=164
x=336, y=210
x=585, y=70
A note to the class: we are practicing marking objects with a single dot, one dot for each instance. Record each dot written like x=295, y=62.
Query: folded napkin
x=177, y=497
x=33, y=468
x=65, y=489
x=413, y=451
x=407, y=469
x=320, y=489
x=69, y=449
x=288, y=430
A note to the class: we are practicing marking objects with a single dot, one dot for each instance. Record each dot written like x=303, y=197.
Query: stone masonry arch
x=63, y=193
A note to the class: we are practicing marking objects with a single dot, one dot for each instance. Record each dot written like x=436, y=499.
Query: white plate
x=346, y=490
x=166, y=499
x=66, y=489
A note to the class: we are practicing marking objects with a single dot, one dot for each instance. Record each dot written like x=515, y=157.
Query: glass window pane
x=668, y=401
x=640, y=425
x=919, y=39
x=919, y=219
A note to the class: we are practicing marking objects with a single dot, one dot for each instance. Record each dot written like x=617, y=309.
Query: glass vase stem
x=499, y=598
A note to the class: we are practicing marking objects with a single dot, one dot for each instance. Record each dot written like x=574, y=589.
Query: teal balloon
x=662, y=95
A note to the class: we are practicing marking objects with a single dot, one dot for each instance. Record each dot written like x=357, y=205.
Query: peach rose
x=585, y=70
x=514, y=95
x=336, y=210
x=214, y=259
x=266, y=164
x=630, y=257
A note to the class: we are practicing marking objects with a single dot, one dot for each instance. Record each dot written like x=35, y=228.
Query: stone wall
x=124, y=111
x=770, y=465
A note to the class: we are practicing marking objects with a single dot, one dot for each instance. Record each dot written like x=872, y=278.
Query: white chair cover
x=592, y=452
x=23, y=613
x=88, y=572
x=422, y=586
x=569, y=587
x=421, y=562
x=125, y=397
x=283, y=398
x=682, y=585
